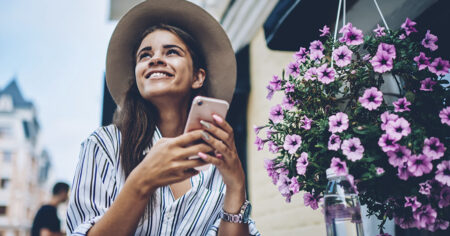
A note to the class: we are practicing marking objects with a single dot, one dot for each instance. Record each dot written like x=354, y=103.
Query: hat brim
x=214, y=43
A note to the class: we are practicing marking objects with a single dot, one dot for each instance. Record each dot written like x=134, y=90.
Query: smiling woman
x=139, y=167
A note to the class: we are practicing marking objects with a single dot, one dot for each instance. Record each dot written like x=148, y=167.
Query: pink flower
x=422, y=61
x=439, y=66
x=276, y=114
x=412, y=202
x=366, y=57
x=429, y=41
x=275, y=83
x=405, y=222
x=302, y=163
x=292, y=143
x=316, y=55
x=427, y=84
x=294, y=187
x=287, y=103
x=353, y=149
x=342, y=55
x=425, y=188
x=283, y=186
x=293, y=69
x=257, y=128
x=379, y=170
x=398, y=156
x=403, y=172
x=311, y=74
x=402, y=36
x=371, y=98
x=289, y=88
x=388, y=48
x=351, y=35
x=273, y=148
x=387, y=143
x=379, y=31
x=325, y=74
x=408, y=26
x=401, y=105
x=338, y=123
x=386, y=117
x=300, y=56
x=334, y=142
x=443, y=173
x=444, y=114
x=269, y=165
x=398, y=128
x=339, y=167
x=444, y=200
x=259, y=143
x=419, y=165
x=316, y=46
x=438, y=224
x=311, y=201
x=306, y=123
x=425, y=216
x=324, y=31
x=382, y=62
x=270, y=92
x=433, y=148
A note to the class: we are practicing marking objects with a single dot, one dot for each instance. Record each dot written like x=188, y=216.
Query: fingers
x=223, y=123
x=194, y=149
x=210, y=159
x=215, y=143
x=217, y=132
x=188, y=138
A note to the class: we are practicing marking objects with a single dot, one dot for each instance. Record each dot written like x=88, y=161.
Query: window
x=7, y=156
x=4, y=183
x=5, y=132
x=3, y=210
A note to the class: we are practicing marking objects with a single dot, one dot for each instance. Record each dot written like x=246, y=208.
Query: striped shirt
x=99, y=178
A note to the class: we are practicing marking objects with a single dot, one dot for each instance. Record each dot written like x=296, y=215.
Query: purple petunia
x=444, y=197
x=324, y=31
x=425, y=188
x=270, y=92
x=275, y=83
x=439, y=66
x=334, y=142
x=443, y=173
x=403, y=172
x=276, y=114
x=293, y=68
x=310, y=200
x=398, y=156
x=339, y=167
x=427, y=84
x=302, y=163
x=287, y=103
x=433, y=148
x=259, y=143
x=311, y=74
x=269, y=165
x=444, y=114
x=306, y=123
x=273, y=148
x=401, y=105
x=398, y=128
x=402, y=36
x=386, y=117
x=388, y=48
x=289, y=88
x=283, y=186
x=379, y=31
x=371, y=98
x=422, y=61
x=338, y=123
x=342, y=55
x=316, y=45
x=438, y=224
x=412, y=202
x=326, y=74
x=379, y=170
x=292, y=143
x=425, y=216
x=353, y=149
x=408, y=26
x=382, y=62
x=429, y=41
x=294, y=187
x=387, y=143
x=316, y=55
x=300, y=55
x=351, y=35
x=419, y=165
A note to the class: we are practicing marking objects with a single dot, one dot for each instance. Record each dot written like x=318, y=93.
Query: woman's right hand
x=167, y=161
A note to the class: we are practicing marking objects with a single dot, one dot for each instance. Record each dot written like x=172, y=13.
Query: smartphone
x=203, y=108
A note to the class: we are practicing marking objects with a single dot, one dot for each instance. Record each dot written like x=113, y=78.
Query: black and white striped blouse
x=99, y=178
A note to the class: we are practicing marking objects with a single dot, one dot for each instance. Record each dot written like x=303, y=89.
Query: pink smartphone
x=203, y=108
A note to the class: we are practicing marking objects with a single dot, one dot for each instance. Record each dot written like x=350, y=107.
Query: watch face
x=247, y=211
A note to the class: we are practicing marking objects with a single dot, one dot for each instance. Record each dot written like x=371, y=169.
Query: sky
x=56, y=50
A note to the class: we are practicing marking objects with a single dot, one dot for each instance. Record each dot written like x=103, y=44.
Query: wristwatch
x=241, y=218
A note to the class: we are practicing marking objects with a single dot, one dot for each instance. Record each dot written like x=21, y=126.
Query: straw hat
x=214, y=43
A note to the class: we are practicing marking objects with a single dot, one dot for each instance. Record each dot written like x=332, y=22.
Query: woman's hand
x=221, y=138
x=167, y=161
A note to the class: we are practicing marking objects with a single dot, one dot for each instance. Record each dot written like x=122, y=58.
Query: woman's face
x=164, y=67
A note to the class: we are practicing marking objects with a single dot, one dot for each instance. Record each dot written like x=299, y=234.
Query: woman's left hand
x=220, y=137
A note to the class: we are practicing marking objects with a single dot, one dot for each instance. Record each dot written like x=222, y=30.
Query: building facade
x=24, y=165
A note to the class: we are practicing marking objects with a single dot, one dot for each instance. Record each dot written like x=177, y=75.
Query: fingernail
x=217, y=118
x=219, y=156
x=202, y=155
x=205, y=124
x=205, y=135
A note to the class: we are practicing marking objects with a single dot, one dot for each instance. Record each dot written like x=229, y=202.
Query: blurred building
x=24, y=165
x=264, y=35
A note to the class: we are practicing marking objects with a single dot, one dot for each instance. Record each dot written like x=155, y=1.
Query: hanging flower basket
x=333, y=115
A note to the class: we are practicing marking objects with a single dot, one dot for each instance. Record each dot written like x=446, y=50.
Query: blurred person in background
x=46, y=221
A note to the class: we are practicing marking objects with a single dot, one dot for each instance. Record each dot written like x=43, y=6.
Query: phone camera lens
x=199, y=103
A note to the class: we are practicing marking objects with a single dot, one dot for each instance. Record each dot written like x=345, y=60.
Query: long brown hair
x=137, y=117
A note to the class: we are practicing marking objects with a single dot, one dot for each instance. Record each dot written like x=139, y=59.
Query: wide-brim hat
x=213, y=41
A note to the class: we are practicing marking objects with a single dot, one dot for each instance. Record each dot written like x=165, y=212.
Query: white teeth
x=158, y=75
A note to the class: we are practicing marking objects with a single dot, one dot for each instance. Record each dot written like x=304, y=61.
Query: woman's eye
x=144, y=55
x=173, y=51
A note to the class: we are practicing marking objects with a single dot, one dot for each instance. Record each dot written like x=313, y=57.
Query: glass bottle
x=342, y=208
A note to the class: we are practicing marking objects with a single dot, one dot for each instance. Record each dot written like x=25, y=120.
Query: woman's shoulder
x=107, y=138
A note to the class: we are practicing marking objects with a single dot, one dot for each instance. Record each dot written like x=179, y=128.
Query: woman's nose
x=156, y=60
